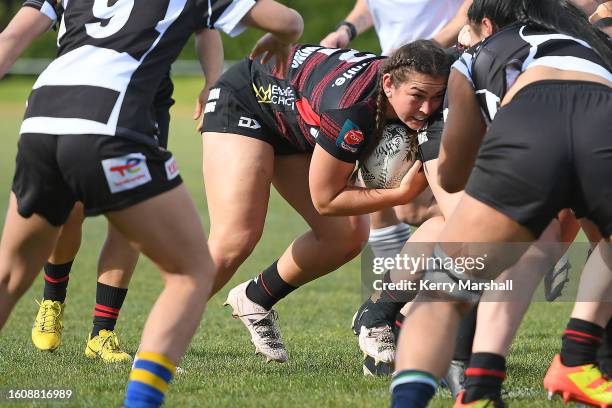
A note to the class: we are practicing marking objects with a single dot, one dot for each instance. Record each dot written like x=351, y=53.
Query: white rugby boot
x=261, y=323
x=378, y=343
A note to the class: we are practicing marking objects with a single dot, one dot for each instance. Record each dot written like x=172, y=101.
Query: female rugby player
x=544, y=58
x=88, y=135
x=303, y=133
x=117, y=258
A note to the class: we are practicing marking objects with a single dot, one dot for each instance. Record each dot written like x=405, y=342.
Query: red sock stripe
x=107, y=309
x=582, y=334
x=263, y=283
x=102, y=314
x=54, y=280
x=473, y=371
x=579, y=339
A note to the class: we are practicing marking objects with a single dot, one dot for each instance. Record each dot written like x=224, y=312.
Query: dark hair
x=556, y=15
x=422, y=56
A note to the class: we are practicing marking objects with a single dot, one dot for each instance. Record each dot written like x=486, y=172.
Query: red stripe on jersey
x=305, y=129
x=356, y=88
x=280, y=125
x=330, y=128
x=306, y=112
x=317, y=93
x=304, y=72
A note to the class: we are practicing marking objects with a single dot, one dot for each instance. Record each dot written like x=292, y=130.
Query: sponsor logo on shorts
x=126, y=172
x=214, y=94
x=351, y=137
x=210, y=107
x=275, y=95
x=248, y=123
x=172, y=169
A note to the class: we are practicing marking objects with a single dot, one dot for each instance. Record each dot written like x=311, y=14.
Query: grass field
x=221, y=370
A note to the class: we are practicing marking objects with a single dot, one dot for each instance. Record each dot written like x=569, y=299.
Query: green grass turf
x=221, y=370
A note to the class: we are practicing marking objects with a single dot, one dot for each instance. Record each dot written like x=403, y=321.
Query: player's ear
x=487, y=27
x=387, y=84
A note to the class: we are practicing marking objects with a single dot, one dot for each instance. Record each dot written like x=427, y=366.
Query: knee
x=198, y=280
x=230, y=250
x=413, y=214
x=13, y=284
x=354, y=238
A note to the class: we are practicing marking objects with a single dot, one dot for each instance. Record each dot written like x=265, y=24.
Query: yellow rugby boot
x=585, y=384
x=106, y=346
x=48, y=326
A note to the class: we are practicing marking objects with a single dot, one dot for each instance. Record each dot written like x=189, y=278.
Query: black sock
x=390, y=294
x=465, y=337
x=604, y=355
x=580, y=342
x=109, y=300
x=56, y=281
x=268, y=288
x=484, y=377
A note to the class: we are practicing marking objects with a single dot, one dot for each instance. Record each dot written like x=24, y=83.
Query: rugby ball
x=391, y=159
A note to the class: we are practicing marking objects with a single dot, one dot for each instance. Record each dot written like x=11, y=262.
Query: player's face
x=415, y=99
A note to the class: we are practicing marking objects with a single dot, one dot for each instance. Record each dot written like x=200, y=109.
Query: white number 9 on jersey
x=116, y=16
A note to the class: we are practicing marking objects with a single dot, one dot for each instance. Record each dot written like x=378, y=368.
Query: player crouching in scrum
x=303, y=133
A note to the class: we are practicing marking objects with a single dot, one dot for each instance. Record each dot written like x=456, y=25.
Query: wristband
x=604, y=22
x=351, y=28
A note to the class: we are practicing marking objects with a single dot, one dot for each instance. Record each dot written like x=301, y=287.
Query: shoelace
x=50, y=313
x=384, y=336
x=267, y=330
x=113, y=347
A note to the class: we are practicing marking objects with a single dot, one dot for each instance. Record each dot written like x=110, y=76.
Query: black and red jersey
x=328, y=97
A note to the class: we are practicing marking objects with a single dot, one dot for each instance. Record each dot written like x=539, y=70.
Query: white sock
x=389, y=241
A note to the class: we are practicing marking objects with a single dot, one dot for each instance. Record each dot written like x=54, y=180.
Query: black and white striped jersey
x=493, y=66
x=112, y=57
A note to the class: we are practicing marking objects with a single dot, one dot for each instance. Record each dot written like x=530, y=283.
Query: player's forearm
x=210, y=53
x=588, y=6
x=360, y=17
x=287, y=24
x=359, y=201
x=447, y=37
x=24, y=28
x=10, y=49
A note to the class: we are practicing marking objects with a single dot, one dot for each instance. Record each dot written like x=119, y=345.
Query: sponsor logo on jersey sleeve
x=126, y=172
x=351, y=137
x=172, y=169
